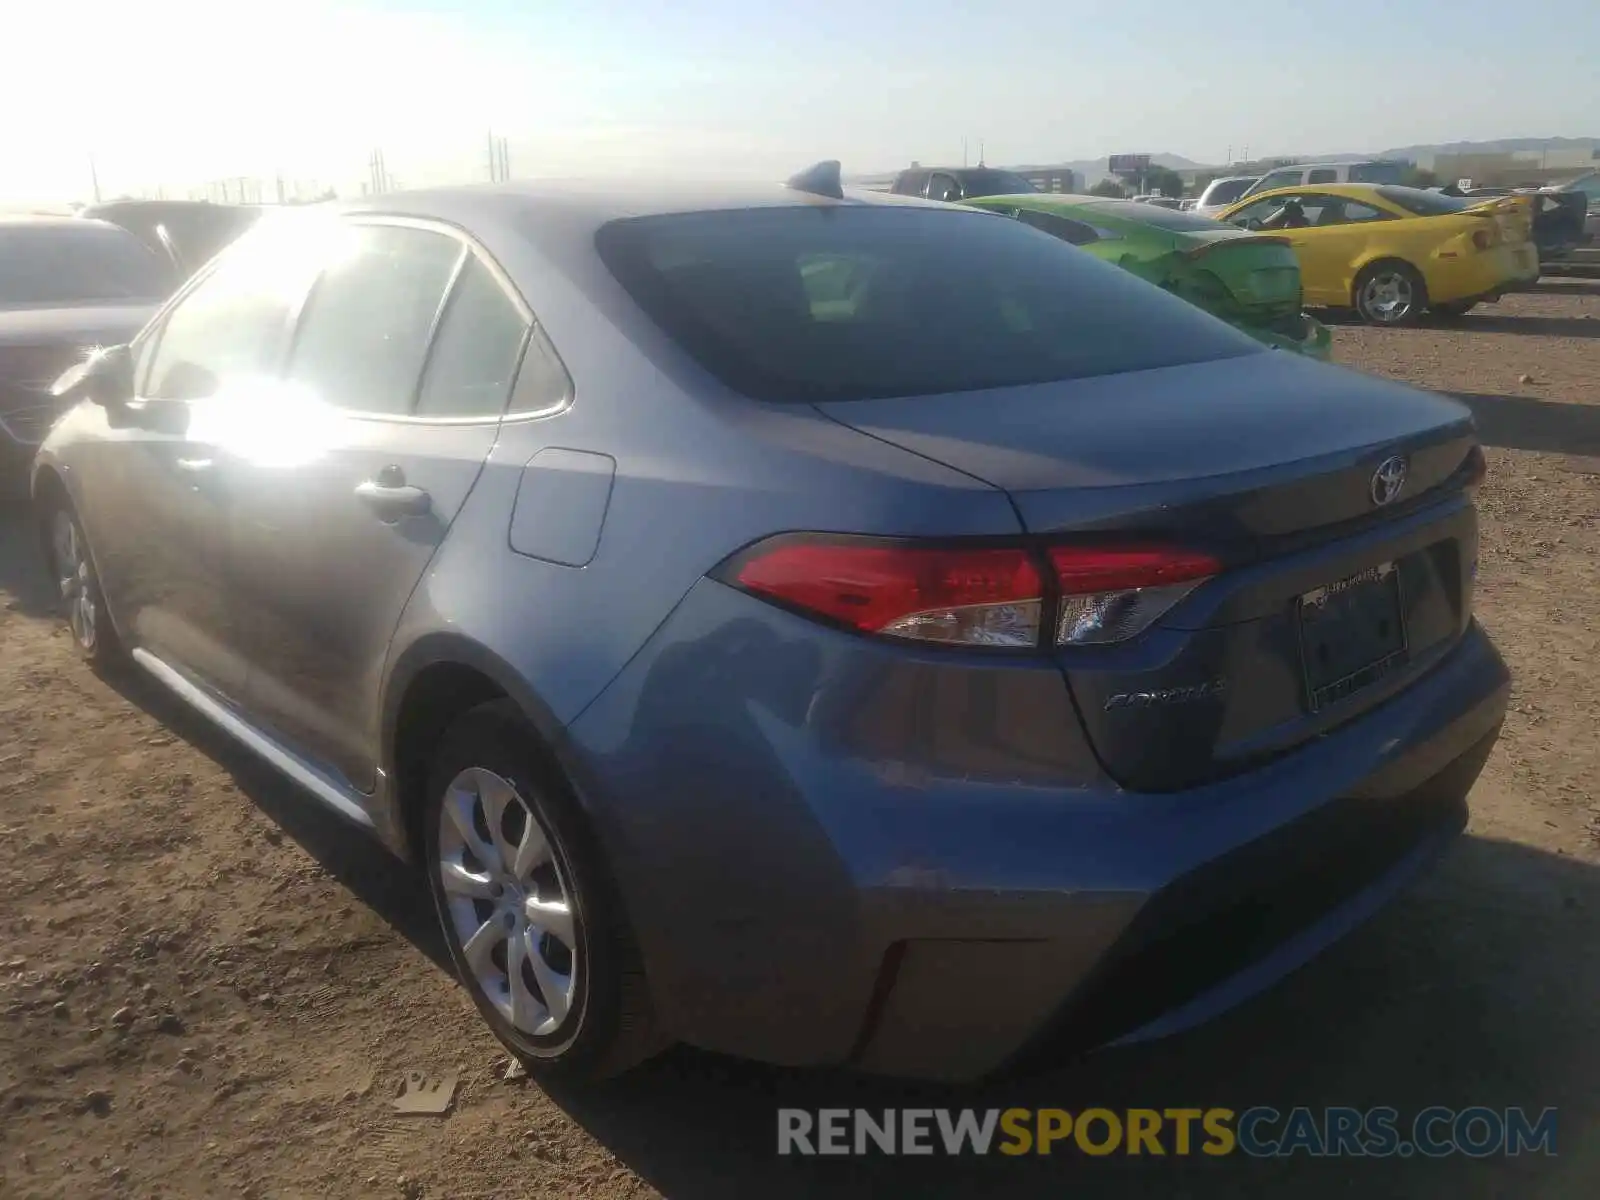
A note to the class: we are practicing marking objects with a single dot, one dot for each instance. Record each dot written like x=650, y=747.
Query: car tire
x=576, y=1008
x=1454, y=311
x=1390, y=293
x=78, y=585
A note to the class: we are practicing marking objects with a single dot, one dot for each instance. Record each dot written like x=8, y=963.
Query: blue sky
x=180, y=91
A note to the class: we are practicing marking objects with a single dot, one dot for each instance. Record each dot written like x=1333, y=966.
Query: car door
x=1295, y=217
x=400, y=366
x=155, y=501
x=1333, y=245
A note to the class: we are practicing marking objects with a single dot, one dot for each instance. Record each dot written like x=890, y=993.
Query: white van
x=1371, y=170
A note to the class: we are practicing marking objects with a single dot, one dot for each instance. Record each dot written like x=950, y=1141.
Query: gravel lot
x=208, y=988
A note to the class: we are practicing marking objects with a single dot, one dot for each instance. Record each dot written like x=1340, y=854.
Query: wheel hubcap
x=1388, y=296
x=509, y=902
x=72, y=576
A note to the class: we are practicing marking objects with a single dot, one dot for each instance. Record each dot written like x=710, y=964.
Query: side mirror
x=105, y=377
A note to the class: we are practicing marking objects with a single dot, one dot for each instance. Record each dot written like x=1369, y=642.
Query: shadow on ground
x=359, y=864
x=1477, y=988
x=1529, y=326
x=1564, y=285
x=24, y=584
x=1528, y=423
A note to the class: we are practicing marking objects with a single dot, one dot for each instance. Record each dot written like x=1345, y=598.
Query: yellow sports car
x=1390, y=252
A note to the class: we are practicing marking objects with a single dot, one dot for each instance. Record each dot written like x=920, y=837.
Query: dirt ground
x=208, y=988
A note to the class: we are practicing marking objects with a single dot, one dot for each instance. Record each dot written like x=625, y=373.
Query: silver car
x=822, y=628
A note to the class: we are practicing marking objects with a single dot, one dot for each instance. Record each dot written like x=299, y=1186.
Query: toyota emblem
x=1387, y=480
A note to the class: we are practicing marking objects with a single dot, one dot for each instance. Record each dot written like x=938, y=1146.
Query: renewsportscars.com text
x=1259, y=1132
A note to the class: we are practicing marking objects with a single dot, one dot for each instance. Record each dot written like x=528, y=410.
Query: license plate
x=1352, y=634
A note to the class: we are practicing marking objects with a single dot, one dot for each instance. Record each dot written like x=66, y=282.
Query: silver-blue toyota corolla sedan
x=825, y=628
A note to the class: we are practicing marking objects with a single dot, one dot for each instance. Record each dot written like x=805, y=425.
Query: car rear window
x=65, y=264
x=818, y=303
x=1424, y=203
x=988, y=182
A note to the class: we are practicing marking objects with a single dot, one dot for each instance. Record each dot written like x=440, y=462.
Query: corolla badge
x=1211, y=689
x=1388, y=479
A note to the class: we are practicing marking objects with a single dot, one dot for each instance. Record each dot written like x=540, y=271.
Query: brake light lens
x=977, y=597
x=1483, y=239
x=996, y=597
x=1110, y=594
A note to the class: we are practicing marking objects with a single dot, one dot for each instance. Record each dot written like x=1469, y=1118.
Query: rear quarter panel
x=699, y=473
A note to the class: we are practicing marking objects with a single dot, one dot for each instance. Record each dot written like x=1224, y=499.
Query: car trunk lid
x=1333, y=592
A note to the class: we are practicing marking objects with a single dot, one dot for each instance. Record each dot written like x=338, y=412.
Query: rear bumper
x=809, y=886
x=1304, y=335
x=1485, y=276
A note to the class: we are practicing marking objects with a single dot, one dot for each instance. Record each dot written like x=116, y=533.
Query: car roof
x=603, y=201
x=1232, y=179
x=565, y=212
x=55, y=221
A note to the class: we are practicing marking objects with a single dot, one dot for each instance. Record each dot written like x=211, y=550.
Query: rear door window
x=1322, y=175
x=808, y=304
x=1279, y=179
x=476, y=349
x=363, y=337
x=1378, y=172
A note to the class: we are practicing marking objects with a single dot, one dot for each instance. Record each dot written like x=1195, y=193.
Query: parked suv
x=1375, y=170
x=827, y=630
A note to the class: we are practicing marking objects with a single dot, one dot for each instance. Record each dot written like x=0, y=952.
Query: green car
x=1250, y=281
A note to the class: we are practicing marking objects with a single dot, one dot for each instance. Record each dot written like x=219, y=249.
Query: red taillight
x=1111, y=593
x=985, y=596
x=1483, y=239
x=979, y=597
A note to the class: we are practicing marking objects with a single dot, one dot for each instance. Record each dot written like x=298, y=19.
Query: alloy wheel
x=1388, y=297
x=75, y=579
x=509, y=902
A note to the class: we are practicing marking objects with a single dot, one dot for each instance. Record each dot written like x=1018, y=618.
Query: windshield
x=47, y=265
x=987, y=182
x=1225, y=191
x=808, y=304
x=1425, y=204
x=1172, y=219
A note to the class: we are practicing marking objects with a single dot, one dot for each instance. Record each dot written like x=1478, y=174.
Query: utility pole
x=499, y=159
x=94, y=179
x=980, y=152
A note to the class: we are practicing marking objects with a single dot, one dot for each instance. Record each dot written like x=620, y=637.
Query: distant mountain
x=1501, y=146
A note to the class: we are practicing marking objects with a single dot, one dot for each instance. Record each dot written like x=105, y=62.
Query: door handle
x=194, y=464
x=391, y=501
